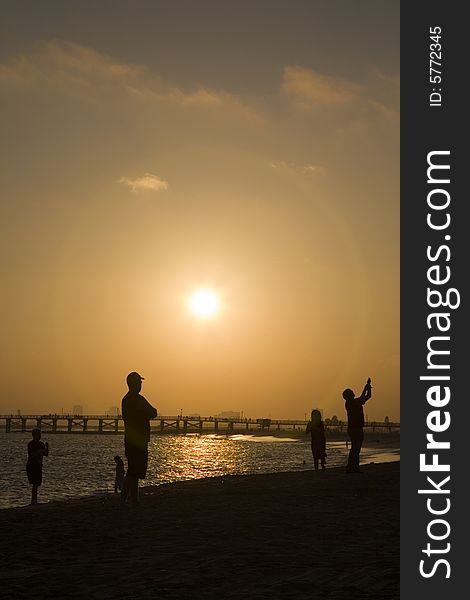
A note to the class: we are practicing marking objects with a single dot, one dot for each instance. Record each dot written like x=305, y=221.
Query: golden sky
x=159, y=148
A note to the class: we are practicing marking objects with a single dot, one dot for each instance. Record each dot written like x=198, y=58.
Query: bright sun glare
x=204, y=303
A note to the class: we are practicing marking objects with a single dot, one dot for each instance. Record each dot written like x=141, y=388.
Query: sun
x=204, y=303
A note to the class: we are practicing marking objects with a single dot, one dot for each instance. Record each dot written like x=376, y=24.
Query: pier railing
x=114, y=424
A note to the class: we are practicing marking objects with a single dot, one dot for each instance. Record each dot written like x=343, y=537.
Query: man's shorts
x=137, y=458
x=34, y=472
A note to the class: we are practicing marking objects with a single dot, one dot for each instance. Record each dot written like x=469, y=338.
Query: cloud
x=108, y=104
x=310, y=86
x=92, y=76
x=307, y=169
x=148, y=182
x=67, y=63
x=312, y=169
x=379, y=95
x=202, y=97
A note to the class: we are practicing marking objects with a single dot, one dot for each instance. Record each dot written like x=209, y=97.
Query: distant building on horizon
x=77, y=409
x=228, y=414
x=113, y=410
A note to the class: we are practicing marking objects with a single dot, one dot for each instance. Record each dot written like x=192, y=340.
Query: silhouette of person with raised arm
x=317, y=432
x=36, y=451
x=355, y=411
x=136, y=412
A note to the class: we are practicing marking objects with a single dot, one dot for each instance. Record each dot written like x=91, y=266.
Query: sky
x=154, y=148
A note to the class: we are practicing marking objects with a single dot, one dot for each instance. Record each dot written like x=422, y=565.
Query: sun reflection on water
x=195, y=456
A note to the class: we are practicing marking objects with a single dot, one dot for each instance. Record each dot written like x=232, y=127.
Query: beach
x=292, y=535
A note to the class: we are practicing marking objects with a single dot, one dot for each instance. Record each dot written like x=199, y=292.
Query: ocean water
x=80, y=465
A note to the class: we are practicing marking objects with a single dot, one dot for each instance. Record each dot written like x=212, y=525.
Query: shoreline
x=375, y=451
x=150, y=490
x=332, y=434
x=275, y=535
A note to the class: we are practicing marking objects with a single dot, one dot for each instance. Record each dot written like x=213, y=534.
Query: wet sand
x=322, y=535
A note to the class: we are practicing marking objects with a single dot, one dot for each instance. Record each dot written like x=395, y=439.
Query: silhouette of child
x=36, y=451
x=317, y=431
x=119, y=480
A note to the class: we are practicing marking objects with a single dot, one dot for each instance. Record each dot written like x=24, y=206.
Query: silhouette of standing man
x=136, y=412
x=354, y=408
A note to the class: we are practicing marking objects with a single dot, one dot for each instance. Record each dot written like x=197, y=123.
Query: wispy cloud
x=312, y=86
x=306, y=169
x=90, y=75
x=379, y=95
x=148, y=182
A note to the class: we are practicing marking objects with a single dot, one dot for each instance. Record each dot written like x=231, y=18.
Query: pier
x=114, y=424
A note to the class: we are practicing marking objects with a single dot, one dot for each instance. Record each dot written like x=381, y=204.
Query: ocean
x=82, y=465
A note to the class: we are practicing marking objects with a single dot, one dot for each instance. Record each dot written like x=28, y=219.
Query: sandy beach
x=286, y=535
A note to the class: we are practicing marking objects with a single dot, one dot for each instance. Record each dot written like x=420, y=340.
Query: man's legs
x=134, y=488
x=358, y=445
x=130, y=488
x=137, y=458
x=125, y=489
x=357, y=437
x=315, y=459
x=34, y=494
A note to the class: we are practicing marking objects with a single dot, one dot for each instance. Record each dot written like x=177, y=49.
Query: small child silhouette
x=119, y=480
x=36, y=451
x=317, y=431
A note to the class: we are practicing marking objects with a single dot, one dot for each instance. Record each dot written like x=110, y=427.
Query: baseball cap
x=134, y=377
